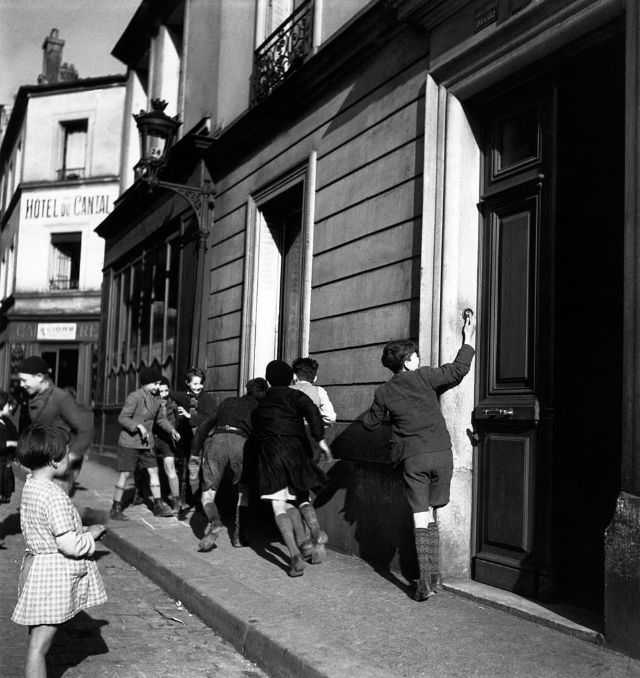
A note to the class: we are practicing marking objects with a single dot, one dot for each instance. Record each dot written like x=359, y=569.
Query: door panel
x=507, y=417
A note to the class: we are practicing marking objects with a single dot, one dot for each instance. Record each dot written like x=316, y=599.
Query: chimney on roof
x=51, y=58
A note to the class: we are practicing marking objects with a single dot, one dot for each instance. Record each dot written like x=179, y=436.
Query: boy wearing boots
x=224, y=437
x=420, y=440
x=142, y=409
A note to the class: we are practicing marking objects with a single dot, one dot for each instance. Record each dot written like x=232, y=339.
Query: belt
x=229, y=429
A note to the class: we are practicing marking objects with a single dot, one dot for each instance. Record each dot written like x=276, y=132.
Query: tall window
x=275, y=314
x=65, y=261
x=74, y=149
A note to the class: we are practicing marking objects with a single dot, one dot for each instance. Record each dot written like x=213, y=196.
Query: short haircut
x=194, y=372
x=305, y=368
x=257, y=386
x=395, y=353
x=39, y=445
x=165, y=381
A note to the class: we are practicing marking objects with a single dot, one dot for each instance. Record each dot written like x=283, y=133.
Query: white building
x=59, y=177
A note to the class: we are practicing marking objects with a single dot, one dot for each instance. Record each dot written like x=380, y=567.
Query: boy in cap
x=420, y=440
x=52, y=406
x=141, y=410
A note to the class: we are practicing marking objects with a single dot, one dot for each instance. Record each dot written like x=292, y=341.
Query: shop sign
x=56, y=331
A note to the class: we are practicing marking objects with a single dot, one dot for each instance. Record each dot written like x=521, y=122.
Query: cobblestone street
x=139, y=633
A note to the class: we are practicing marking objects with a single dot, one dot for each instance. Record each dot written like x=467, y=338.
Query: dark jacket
x=200, y=407
x=56, y=407
x=411, y=401
x=141, y=407
x=234, y=412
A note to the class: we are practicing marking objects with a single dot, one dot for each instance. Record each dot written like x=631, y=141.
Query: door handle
x=497, y=412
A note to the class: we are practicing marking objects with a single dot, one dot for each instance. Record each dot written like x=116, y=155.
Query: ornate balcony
x=282, y=52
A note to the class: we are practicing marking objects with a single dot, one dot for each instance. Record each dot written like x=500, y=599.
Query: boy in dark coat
x=223, y=437
x=286, y=471
x=420, y=440
x=50, y=405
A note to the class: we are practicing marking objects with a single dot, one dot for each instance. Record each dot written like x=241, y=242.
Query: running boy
x=420, y=440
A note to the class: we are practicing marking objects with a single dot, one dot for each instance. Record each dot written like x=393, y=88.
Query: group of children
x=281, y=415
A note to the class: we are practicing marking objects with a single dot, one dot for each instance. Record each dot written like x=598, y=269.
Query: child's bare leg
x=172, y=478
x=285, y=525
x=40, y=639
x=159, y=507
x=118, y=491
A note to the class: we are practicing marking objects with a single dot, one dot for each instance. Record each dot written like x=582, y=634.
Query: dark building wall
x=368, y=136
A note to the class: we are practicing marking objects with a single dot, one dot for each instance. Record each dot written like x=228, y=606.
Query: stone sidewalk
x=343, y=619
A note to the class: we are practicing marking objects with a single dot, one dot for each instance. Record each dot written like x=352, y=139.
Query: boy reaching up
x=420, y=440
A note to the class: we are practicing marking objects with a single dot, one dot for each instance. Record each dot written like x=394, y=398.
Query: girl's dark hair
x=39, y=445
x=396, y=353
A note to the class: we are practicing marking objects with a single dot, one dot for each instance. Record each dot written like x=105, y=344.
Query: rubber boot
x=116, y=511
x=283, y=521
x=433, y=552
x=212, y=530
x=424, y=591
x=318, y=536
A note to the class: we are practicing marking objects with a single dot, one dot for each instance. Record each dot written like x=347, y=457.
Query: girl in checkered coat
x=57, y=579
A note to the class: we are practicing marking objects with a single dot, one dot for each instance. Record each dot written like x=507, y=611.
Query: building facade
x=378, y=168
x=59, y=177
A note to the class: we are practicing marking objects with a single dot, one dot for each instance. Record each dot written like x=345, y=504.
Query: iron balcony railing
x=282, y=52
x=63, y=283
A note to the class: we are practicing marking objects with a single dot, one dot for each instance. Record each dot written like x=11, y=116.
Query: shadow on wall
x=363, y=505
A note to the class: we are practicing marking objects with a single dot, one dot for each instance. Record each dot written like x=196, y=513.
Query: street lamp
x=157, y=133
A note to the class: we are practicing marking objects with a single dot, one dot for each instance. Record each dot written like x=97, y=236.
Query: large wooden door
x=514, y=428
x=548, y=415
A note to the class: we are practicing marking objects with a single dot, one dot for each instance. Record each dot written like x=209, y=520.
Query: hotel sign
x=65, y=205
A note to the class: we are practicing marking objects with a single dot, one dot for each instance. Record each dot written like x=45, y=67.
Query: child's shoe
x=116, y=512
x=161, y=510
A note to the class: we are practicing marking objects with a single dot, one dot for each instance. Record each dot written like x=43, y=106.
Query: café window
x=74, y=149
x=143, y=317
x=65, y=261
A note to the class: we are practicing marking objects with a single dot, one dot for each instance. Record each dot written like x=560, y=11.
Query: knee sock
x=211, y=511
x=311, y=519
x=298, y=526
x=422, y=550
x=283, y=521
x=433, y=553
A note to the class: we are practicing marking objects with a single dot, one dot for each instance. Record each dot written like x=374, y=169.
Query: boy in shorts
x=141, y=410
x=420, y=440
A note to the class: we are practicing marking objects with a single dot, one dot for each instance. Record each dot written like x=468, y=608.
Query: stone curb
x=281, y=646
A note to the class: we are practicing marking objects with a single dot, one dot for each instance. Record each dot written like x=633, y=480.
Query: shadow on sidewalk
x=77, y=639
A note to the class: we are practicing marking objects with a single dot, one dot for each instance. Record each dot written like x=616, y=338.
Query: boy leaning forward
x=420, y=441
